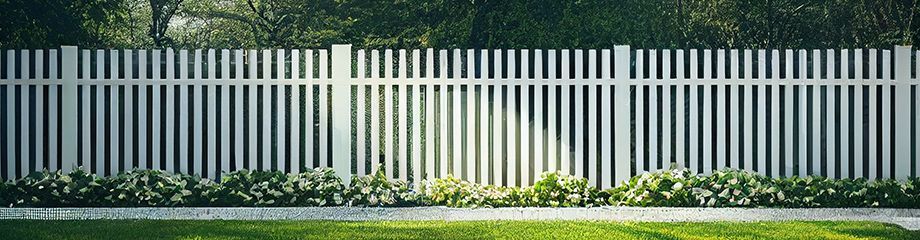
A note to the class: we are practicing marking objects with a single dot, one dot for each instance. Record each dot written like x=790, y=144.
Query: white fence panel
x=488, y=116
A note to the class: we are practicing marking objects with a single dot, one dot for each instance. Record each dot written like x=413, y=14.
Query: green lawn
x=11, y=229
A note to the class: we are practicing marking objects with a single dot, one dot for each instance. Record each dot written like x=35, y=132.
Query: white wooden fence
x=490, y=116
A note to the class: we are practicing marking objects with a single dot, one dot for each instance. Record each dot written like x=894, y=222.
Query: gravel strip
x=907, y=218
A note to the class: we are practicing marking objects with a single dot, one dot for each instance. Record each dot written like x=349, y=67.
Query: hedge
x=321, y=187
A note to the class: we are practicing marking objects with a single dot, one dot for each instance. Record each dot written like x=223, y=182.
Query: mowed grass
x=144, y=229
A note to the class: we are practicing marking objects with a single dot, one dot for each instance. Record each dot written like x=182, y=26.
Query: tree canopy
x=459, y=23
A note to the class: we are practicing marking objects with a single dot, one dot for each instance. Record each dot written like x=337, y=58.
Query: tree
x=161, y=13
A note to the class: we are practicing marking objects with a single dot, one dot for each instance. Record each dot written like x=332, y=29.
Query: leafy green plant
x=54, y=189
x=148, y=188
x=734, y=188
x=377, y=191
x=317, y=187
x=661, y=189
x=557, y=190
x=453, y=192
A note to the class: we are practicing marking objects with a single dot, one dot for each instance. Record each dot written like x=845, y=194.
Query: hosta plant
x=376, y=190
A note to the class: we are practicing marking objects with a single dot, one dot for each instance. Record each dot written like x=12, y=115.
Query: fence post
x=341, y=111
x=68, y=108
x=902, y=102
x=621, y=158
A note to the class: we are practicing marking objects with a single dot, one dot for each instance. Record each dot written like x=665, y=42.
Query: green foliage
x=661, y=189
x=557, y=190
x=319, y=187
x=453, y=192
x=376, y=191
x=508, y=24
x=552, y=190
x=154, y=188
x=734, y=188
x=54, y=189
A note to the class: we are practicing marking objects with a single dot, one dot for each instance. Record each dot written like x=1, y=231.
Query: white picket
x=721, y=126
x=621, y=103
x=38, y=122
x=873, y=112
x=417, y=99
x=375, y=112
x=361, y=118
x=309, y=117
x=511, y=119
x=324, y=124
x=211, y=100
x=171, y=120
x=761, y=112
x=224, y=115
x=11, y=138
x=640, y=116
x=606, y=142
x=156, y=115
x=885, y=85
x=470, y=128
x=592, y=132
x=539, y=123
x=653, y=121
x=429, y=117
x=484, y=123
x=265, y=115
x=803, y=114
x=816, y=113
x=774, y=115
x=25, y=122
x=707, y=113
x=680, y=118
x=456, y=115
x=444, y=139
x=53, y=92
x=280, y=111
x=831, y=121
x=128, y=112
x=498, y=146
x=197, y=110
x=253, y=110
x=238, y=130
x=389, y=113
x=579, y=109
x=524, y=119
x=113, y=112
x=789, y=114
x=694, y=114
x=565, y=108
x=858, y=166
x=101, y=122
x=552, y=146
x=845, y=115
x=666, y=129
x=748, y=131
x=402, y=141
x=735, y=117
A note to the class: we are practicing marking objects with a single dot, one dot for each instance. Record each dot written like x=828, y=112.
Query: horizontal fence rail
x=488, y=116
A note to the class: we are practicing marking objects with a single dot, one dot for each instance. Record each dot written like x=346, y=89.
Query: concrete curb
x=907, y=218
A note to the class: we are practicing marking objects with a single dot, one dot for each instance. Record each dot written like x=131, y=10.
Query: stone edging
x=907, y=218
